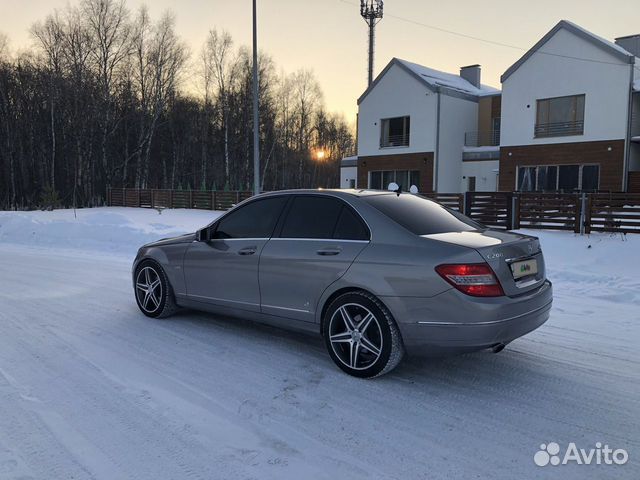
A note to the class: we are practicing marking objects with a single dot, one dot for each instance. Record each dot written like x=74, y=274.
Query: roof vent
x=471, y=74
x=630, y=43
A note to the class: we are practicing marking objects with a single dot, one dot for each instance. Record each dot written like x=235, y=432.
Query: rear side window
x=350, y=226
x=421, y=216
x=253, y=220
x=311, y=217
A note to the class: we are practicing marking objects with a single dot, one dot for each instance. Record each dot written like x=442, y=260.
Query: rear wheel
x=361, y=335
x=153, y=292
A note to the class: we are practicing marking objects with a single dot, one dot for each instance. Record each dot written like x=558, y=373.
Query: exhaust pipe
x=498, y=347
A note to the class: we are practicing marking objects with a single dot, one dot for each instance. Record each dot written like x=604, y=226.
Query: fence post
x=509, y=219
x=467, y=204
x=153, y=203
x=171, y=198
x=583, y=213
x=587, y=214
x=190, y=198
x=515, y=211
x=237, y=197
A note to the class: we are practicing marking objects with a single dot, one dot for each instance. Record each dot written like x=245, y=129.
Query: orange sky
x=329, y=36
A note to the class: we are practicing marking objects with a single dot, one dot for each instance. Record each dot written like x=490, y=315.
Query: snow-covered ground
x=90, y=388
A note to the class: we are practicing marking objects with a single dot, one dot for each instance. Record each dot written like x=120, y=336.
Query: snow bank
x=597, y=266
x=114, y=230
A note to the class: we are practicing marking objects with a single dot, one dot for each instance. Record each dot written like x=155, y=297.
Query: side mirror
x=201, y=235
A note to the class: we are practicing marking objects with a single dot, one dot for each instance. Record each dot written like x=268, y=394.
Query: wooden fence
x=613, y=212
x=549, y=211
x=493, y=209
x=579, y=213
x=151, y=198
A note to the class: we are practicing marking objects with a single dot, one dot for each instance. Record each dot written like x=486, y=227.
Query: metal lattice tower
x=371, y=11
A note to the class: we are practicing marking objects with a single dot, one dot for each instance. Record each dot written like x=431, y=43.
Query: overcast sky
x=329, y=36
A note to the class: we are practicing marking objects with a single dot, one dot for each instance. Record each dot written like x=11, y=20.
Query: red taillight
x=475, y=279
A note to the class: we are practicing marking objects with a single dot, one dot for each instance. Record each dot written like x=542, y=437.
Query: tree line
x=110, y=98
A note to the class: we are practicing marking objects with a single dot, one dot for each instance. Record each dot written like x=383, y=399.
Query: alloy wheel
x=149, y=289
x=355, y=336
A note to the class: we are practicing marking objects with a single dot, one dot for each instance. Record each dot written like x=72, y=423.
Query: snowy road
x=90, y=388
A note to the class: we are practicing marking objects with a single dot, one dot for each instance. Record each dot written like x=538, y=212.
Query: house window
x=560, y=116
x=568, y=177
x=380, y=180
x=544, y=178
x=547, y=178
x=590, y=177
x=394, y=132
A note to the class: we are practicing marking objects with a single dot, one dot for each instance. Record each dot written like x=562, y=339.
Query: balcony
x=485, y=138
x=395, y=141
x=559, y=129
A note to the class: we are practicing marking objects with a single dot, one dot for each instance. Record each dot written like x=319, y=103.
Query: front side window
x=256, y=219
x=421, y=216
x=394, y=132
x=560, y=116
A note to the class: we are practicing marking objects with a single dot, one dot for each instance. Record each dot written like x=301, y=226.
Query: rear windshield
x=421, y=216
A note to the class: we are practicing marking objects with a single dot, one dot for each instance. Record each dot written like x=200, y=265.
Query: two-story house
x=570, y=110
x=412, y=124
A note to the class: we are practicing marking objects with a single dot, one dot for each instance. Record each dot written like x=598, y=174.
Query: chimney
x=471, y=74
x=630, y=43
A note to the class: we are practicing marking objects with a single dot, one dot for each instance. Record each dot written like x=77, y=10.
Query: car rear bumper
x=453, y=322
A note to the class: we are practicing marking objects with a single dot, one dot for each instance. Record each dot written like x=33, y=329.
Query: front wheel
x=153, y=292
x=361, y=335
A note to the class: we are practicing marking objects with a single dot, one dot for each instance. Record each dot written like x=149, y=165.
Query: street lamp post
x=256, y=122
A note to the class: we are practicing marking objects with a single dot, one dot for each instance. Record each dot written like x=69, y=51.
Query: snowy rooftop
x=437, y=78
x=609, y=43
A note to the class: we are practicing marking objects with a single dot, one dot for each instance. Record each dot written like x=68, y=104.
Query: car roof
x=340, y=192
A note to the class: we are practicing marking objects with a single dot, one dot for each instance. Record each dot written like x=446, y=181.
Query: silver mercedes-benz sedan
x=375, y=273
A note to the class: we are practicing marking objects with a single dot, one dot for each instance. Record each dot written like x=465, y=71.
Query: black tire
x=162, y=302
x=380, y=331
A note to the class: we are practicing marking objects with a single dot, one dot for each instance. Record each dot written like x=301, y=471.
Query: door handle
x=329, y=251
x=247, y=251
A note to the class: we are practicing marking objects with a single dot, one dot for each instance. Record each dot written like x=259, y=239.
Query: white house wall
x=457, y=116
x=347, y=174
x=486, y=173
x=606, y=86
x=397, y=94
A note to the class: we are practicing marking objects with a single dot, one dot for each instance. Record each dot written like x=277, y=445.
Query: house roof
x=606, y=45
x=435, y=80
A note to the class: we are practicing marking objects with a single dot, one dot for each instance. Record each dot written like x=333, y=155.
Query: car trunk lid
x=516, y=259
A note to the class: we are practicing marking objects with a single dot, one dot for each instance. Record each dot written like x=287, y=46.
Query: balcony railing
x=483, y=138
x=559, y=129
x=395, y=141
